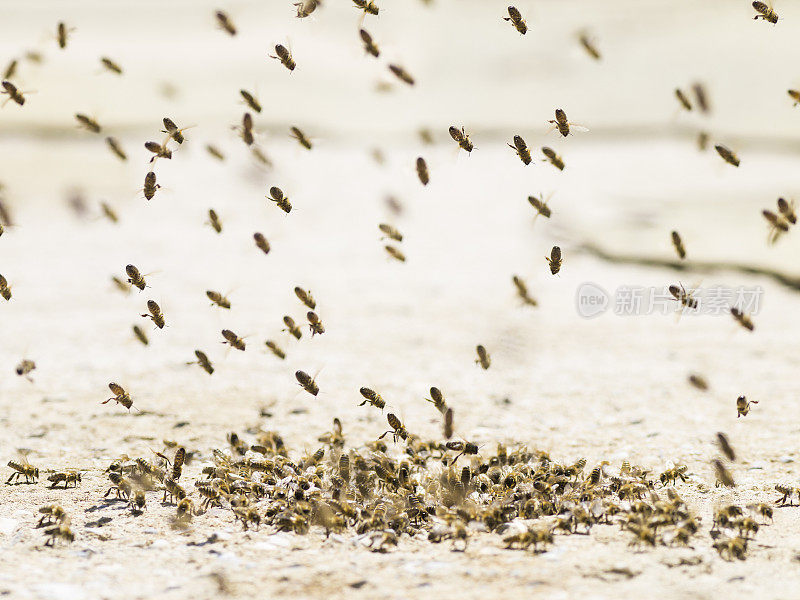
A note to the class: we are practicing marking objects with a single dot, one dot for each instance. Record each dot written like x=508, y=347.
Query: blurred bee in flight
x=215, y=152
x=203, y=361
x=683, y=99
x=368, y=6
x=273, y=347
x=516, y=20
x=24, y=369
x=589, y=46
x=13, y=93
x=702, y=97
x=213, y=220
x=401, y=74
x=292, y=327
x=314, y=323
x=391, y=232
x=261, y=242
x=158, y=150
x=111, y=65
x=88, y=123
x=372, y=397
x=218, y=299
x=553, y=158
x=678, y=244
x=307, y=382
x=685, y=298
x=521, y=148
x=306, y=7
x=765, y=11
x=483, y=357
x=150, y=185
x=522, y=291
x=135, y=277
x=140, y=335
x=114, y=146
x=62, y=34
x=280, y=200
x=250, y=100
x=284, y=56
x=778, y=225
x=541, y=206
x=305, y=297
x=743, y=319
x=794, y=95
x=172, y=130
x=563, y=125
x=727, y=155
x=246, y=130
x=554, y=260
x=225, y=23
x=234, y=340
x=369, y=46
x=301, y=138
x=395, y=253
x=461, y=138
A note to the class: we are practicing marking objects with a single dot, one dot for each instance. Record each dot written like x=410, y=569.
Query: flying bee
x=260, y=156
x=250, y=100
x=52, y=513
x=522, y=291
x=725, y=446
x=395, y=253
x=159, y=150
x=307, y=382
x=727, y=155
x=150, y=185
x=234, y=340
x=137, y=502
x=516, y=20
x=88, y=123
x=391, y=232
x=135, y=277
x=372, y=397
x=261, y=242
x=422, y=171
x=521, y=148
x=777, y=225
x=114, y=146
x=397, y=429
x=702, y=141
x=213, y=220
x=111, y=65
x=120, y=395
x=699, y=382
x=368, y=6
x=794, y=95
x=215, y=152
x=787, y=210
x=62, y=532
x=701, y=96
x=291, y=327
x=13, y=93
x=203, y=361
x=65, y=477
x=563, y=125
x=461, y=138
x=462, y=448
x=280, y=200
x=724, y=476
x=685, y=298
x=301, y=138
x=765, y=11
x=483, y=357
x=283, y=55
x=11, y=69
x=305, y=297
x=23, y=469
x=5, y=289
x=246, y=130
x=553, y=158
x=155, y=314
x=314, y=323
x=678, y=244
x=683, y=99
x=401, y=74
x=447, y=424
x=273, y=347
x=743, y=406
x=589, y=46
x=743, y=319
x=225, y=23
x=369, y=45
x=121, y=285
x=172, y=130
x=541, y=206
x=218, y=299
x=177, y=463
x=62, y=33
x=306, y=7
x=140, y=335
x=24, y=369
x=554, y=261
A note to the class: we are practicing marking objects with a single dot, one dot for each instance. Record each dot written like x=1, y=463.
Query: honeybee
x=307, y=382
x=391, y=232
x=701, y=96
x=301, y=138
x=698, y=381
x=787, y=210
x=121, y=285
x=66, y=477
x=541, y=206
x=291, y=327
x=447, y=424
x=24, y=369
x=702, y=141
x=724, y=476
x=218, y=299
x=794, y=95
x=483, y=357
x=234, y=340
x=23, y=469
x=62, y=33
x=305, y=297
x=684, y=297
x=521, y=148
x=462, y=448
x=743, y=406
x=259, y=155
x=761, y=509
x=522, y=291
x=273, y=347
x=678, y=244
x=422, y=171
x=150, y=185
x=140, y=335
x=11, y=69
x=283, y=55
x=553, y=158
x=52, y=513
x=62, y=532
x=137, y=502
x=172, y=130
x=727, y=155
x=246, y=130
x=765, y=11
x=155, y=314
x=177, y=463
x=159, y=150
x=787, y=492
x=113, y=144
x=563, y=125
x=672, y=474
x=395, y=253
x=120, y=395
x=278, y=198
x=261, y=242
x=250, y=100
x=368, y=6
x=135, y=277
x=683, y=99
x=461, y=138
x=437, y=399
x=185, y=510
x=88, y=123
x=306, y=7
x=777, y=225
x=5, y=289
x=554, y=261
x=369, y=45
x=215, y=152
x=589, y=46
x=743, y=319
x=397, y=429
x=372, y=397
x=516, y=20
x=203, y=361
x=725, y=446
x=213, y=220
x=225, y=23
x=111, y=65
x=314, y=323
x=401, y=74
x=13, y=93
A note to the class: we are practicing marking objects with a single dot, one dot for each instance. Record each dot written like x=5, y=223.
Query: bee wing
x=577, y=127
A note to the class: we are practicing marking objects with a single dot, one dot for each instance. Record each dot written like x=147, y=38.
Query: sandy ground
x=612, y=388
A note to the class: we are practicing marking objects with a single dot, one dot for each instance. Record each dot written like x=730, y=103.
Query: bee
x=395, y=253
x=727, y=155
x=397, y=429
x=155, y=314
x=88, y=123
x=683, y=99
x=301, y=138
x=246, y=130
x=66, y=477
x=787, y=492
x=283, y=55
x=699, y=382
x=422, y=171
x=250, y=100
x=225, y=23
x=140, y=335
x=13, y=93
x=766, y=12
x=724, y=476
x=120, y=395
x=553, y=158
x=121, y=285
x=483, y=357
x=563, y=125
x=401, y=74
x=589, y=46
x=461, y=138
x=273, y=347
x=218, y=299
x=23, y=469
x=305, y=297
x=369, y=45
x=24, y=368
x=172, y=130
x=111, y=65
x=62, y=33
x=447, y=424
x=291, y=327
x=185, y=510
x=215, y=152
x=203, y=361
x=159, y=150
x=62, y=532
x=516, y=20
x=777, y=225
x=794, y=95
x=52, y=513
x=234, y=340
x=259, y=155
x=541, y=206
x=114, y=146
x=522, y=290
x=307, y=382
x=462, y=448
x=554, y=261
x=11, y=69
x=684, y=297
x=137, y=502
x=701, y=96
x=368, y=6
x=787, y=210
x=391, y=232
x=725, y=446
x=278, y=198
x=372, y=397
x=672, y=474
x=261, y=242
x=177, y=462
x=521, y=148
x=135, y=277
x=5, y=289
x=678, y=244
x=702, y=141
x=314, y=323
x=743, y=319
x=762, y=509
x=344, y=467
x=213, y=220
x=306, y=7
x=743, y=406
x=150, y=185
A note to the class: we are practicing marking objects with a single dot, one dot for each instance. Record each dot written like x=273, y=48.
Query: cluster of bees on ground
x=447, y=490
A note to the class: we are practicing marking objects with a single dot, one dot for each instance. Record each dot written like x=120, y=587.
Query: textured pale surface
x=612, y=388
